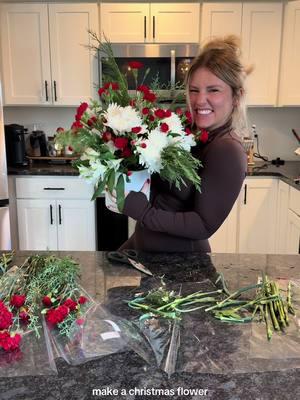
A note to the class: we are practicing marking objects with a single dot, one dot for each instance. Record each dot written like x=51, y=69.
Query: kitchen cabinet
x=224, y=240
x=289, y=94
x=257, y=216
x=150, y=22
x=44, y=61
x=55, y=213
x=293, y=224
x=282, y=217
x=259, y=26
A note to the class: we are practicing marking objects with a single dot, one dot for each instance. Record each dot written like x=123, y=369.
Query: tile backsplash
x=273, y=125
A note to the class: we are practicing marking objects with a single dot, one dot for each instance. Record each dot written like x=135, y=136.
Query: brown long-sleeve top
x=183, y=220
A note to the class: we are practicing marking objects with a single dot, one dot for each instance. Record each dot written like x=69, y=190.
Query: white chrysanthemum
x=185, y=141
x=89, y=154
x=122, y=119
x=93, y=173
x=174, y=123
x=115, y=164
x=150, y=156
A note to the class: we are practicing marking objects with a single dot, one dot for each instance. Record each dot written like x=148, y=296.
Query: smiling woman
x=184, y=219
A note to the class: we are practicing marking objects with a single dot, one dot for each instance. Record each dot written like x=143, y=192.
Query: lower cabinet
x=293, y=233
x=257, y=216
x=56, y=223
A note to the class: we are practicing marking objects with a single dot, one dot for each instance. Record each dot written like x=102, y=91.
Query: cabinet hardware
x=145, y=27
x=51, y=215
x=59, y=214
x=153, y=27
x=54, y=188
x=55, y=95
x=46, y=91
x=245, y=194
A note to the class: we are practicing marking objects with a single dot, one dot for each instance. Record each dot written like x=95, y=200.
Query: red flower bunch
x=6, y=317
x=135, y=65
x=17, y=300
x=9, y=342
x=57, y=315
x=109, y=85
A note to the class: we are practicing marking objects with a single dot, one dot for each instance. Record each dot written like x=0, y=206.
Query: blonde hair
x=222, y=57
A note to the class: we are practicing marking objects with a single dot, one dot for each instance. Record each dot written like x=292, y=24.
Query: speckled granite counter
x=127, y=370
x=287, y=172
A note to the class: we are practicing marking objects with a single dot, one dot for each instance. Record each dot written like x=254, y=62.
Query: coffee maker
x=15, y=144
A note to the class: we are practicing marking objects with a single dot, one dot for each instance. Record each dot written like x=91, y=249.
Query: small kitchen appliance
x=38, y=144
x=15, y=144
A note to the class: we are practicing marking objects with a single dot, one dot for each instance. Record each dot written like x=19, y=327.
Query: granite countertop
x=128, y=371
x=287, y=172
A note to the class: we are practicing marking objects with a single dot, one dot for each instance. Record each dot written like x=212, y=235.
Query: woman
x=183, y=220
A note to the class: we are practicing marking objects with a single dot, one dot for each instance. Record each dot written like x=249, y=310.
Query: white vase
x=137, y=180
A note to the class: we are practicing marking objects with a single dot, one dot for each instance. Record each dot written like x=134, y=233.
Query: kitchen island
x=127, y=371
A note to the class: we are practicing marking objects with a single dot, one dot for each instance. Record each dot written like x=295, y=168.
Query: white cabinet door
x=225, y=239
x=37, y=224
x=293, y=233
x=76, y=225
x=220, y=19
x=257, y=218
x=175, y=22
x=125, y=23
x=25, y=53
x=71, y=61
x=282, y=217
x=261, y=38
x=289, y=94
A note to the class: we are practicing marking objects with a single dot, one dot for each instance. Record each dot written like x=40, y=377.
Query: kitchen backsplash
x=273, y=125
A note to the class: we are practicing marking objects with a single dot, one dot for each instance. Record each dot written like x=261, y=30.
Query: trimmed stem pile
x=268, y=304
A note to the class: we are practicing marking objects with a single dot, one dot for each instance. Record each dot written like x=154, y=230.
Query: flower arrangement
x=121, y=134
x=42, y=285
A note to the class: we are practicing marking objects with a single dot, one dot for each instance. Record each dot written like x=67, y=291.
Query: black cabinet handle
x=145, y=27
x=245, y=194
x=54, y=188
x=51, y=214
x=46, y=91
x=55, y=95
x=59, y=214
x=153, y=27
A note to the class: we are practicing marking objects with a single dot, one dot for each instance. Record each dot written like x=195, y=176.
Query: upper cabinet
x=44, y=58
x=150, y=23
x=289, y=94
x=259, y=26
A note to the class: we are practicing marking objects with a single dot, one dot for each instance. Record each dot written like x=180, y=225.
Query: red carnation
x=179, y=111
x=9, y=343
x=24, y=317
x=121, y=142
x=168, y=113
x=17, y=300
x=188, y=117
x=101, y=91
x=80, y=110
x=126, y=152
x=76, y=125
x=5, y=318
x=159, y=113
x=132, y=103
x=106, y=136
x=92, y=121
x=71, y=304
x=47, y=301
x=129, y=173
x=145, y=111
x=188, y=131
x=136, y=129
x=82, y=300
x=60, y=129
x=204, y=136
x=57, y=315
x=164, y=127
x=151, y=118
x=149, y=96
x=143, y=88
x=111, y=85
x=135, y=64
x=143, y=145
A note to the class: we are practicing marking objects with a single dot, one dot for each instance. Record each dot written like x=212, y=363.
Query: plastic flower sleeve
x=35, y=357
